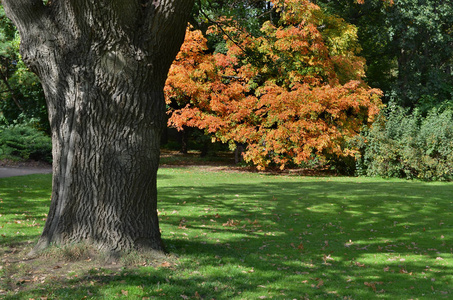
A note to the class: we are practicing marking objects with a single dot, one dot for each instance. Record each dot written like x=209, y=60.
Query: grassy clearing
x=252, y=236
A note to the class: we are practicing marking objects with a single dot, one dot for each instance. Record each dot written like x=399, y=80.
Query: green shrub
x=409, y=145
x=24, y=142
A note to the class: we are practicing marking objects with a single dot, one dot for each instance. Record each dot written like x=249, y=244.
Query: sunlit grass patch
x=256, y=236
x=24, y=203
x=323, y=237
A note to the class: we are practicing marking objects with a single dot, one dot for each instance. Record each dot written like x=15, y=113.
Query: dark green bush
x=409, y=145
x=24, y=142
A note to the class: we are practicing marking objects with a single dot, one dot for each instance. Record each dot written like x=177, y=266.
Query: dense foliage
x=21, y=94
x=408, y=46
x=250, y=14
x=408, y=145
x=291, y=95
x=25, y=142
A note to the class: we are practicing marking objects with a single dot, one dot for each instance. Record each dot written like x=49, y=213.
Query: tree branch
x=24, y=13
x=169, y=11
x=165, y=25
x=219, y=25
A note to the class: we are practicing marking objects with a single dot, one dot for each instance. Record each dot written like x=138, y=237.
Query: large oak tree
x=103, y=66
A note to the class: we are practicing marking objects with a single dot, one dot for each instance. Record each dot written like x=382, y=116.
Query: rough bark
x=103, y=66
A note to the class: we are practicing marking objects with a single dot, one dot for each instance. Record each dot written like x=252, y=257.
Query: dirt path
x=9, y=168
x=10, y=171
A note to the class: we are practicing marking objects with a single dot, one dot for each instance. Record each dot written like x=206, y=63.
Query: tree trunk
x=184, y=134
x=238, y=153
x=103, y=66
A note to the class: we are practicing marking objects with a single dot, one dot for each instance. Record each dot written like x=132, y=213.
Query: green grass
x=256, y=236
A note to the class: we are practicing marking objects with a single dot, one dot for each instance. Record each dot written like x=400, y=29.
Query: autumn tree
x=103, y=66
x=293, y=94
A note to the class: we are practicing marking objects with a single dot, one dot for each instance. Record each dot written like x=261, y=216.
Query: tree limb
x=164, y=27
x=24, y=13
x=219, y=25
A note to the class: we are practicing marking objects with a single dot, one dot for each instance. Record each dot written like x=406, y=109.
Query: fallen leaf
x=326, y=258
x=124, y=292
x=348, y=244
x=359, y=265
x=249, y=271
x=231, y=223
x=371, y=285
x=320, y=283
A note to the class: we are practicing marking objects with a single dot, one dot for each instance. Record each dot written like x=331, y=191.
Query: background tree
x=103, y=66
x=293, y=94
x=408, y=46
x=20, y=90
x=250, y=14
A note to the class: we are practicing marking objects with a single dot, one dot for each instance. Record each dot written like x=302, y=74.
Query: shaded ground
x=221, y=161
x=225, y=162
x=22, y=273
x=78, y=265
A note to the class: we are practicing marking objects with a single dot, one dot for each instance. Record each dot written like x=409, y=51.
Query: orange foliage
x=293, y=94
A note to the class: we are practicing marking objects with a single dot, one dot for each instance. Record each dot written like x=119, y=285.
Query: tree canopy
x=403, y=48
x=292, y=94
x=408, y=46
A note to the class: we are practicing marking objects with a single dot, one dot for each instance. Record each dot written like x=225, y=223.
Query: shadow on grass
x=24, y=203
x=260, y=236
x=24, y=194
x=355, y=237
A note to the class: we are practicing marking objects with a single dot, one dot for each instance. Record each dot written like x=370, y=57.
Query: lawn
x=238, y=235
